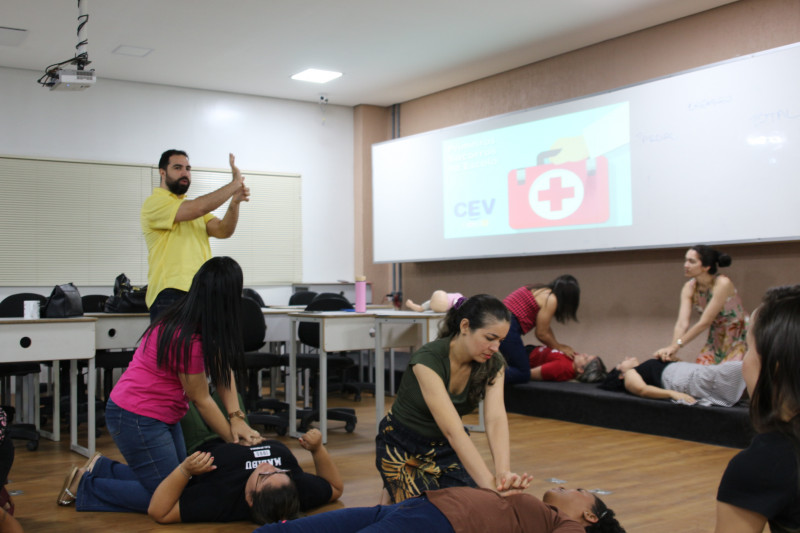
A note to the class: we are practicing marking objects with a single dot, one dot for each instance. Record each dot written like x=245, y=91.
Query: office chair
x=302, y=297
x=12, y=306
x=253, y=331
x=253, y=295
x=308, y=334
x=329, y=301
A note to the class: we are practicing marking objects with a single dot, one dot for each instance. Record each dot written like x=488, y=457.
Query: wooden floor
x=656, y=484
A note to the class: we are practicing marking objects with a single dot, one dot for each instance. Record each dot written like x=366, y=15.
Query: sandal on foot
x=89, y=464
x=65, y=497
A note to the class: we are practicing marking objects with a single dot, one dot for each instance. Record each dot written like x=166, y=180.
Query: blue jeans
x=513, y=349
x=111, y=486
x=414, y=514
x=164, y=300
x=152, y=449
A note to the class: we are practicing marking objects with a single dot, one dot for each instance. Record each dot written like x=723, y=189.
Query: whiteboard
x=79, y=221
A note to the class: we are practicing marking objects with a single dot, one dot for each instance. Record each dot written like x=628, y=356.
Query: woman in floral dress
x=715, y=298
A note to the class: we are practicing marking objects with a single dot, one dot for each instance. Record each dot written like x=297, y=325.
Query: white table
x=119, y=331
x=338, y=331
x=345, y=331
x=56, y=340
x=279, y=328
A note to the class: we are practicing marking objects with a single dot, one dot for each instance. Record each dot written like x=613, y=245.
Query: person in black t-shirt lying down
x=225, y=482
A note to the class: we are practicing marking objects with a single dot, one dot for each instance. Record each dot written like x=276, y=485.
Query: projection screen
x=710, y=155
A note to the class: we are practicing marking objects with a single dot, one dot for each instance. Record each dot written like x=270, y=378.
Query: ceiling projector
x=71, y=80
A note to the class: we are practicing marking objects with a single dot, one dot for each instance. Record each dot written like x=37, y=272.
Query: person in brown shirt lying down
x=467, y=510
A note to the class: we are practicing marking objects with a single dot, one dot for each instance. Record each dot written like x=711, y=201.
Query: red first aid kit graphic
x=558, y=195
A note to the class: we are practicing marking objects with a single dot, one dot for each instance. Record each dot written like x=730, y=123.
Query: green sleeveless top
x=409, y=406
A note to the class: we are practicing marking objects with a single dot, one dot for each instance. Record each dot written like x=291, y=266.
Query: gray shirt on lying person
x=720, y=384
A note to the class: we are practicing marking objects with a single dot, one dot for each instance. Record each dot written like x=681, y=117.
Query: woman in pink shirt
x=196, y=340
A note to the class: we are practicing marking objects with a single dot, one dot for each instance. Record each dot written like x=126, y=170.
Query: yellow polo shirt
x=175, y=250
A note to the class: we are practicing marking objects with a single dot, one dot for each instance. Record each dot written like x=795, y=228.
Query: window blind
x=78, y=221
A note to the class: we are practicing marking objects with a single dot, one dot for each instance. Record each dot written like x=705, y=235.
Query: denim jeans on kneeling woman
x=111, y=486
x=152, y=449
x=513, y=349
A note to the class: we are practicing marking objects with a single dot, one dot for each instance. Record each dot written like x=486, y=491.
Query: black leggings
x=6, y=458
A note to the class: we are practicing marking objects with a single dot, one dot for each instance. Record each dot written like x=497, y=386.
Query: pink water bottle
x=361, y=294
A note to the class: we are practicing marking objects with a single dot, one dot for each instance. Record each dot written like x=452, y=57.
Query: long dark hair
x=777, y=340
x=480, y=310
x=606, y=519
x=712, y=258
x=212, y=310
x=568, y=295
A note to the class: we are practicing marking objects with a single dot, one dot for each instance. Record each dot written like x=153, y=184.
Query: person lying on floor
x=240, y=487
x=265, y=485
x=550, y=364
x=293, y=490
x=467, y=510
x=720, y=385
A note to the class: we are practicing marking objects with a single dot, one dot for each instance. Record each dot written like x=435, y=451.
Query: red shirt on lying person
x=555, y=365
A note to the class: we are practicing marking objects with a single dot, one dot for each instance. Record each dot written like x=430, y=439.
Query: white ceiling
x=389, y=52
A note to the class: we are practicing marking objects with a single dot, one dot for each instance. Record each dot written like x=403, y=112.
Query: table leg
x=291, y=385
x=391, y=372
x=88, y=451
x=480, y=427
x=323, y=386
x=56, y=433
x=73, y=404
x=92, y=423
x=380, y=379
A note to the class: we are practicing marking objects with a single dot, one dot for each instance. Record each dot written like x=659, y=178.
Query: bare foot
x=414, y=307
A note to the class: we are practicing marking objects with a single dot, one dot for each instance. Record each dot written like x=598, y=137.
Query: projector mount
x=56, y=77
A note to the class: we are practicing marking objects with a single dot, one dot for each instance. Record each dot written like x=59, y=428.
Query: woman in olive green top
x=422, y=443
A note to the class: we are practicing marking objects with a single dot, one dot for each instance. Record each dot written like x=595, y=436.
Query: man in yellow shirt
x=176, y=230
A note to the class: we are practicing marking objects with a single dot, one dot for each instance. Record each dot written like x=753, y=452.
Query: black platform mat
x=588, y=404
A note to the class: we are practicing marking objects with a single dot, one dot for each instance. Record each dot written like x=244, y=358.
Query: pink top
x=523, y=306
x=147, y=390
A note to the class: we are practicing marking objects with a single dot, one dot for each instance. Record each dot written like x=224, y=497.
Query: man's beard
x=177, y=188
